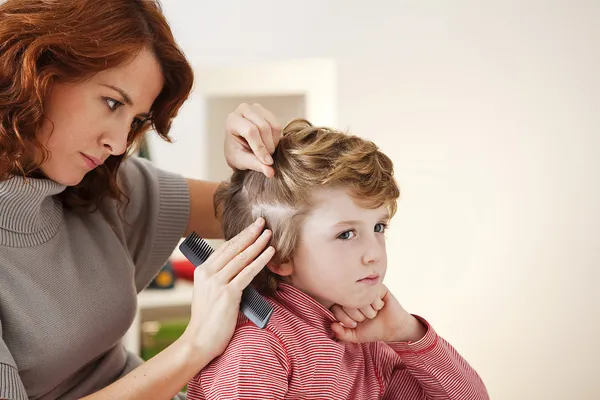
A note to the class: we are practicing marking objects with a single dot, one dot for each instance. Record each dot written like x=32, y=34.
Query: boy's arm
x=254, y=366
x=427, y=369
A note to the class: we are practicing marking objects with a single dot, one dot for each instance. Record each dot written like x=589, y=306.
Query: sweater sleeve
x=11, y=386
x=428, y=369
x=155, y=213
x=254, y=366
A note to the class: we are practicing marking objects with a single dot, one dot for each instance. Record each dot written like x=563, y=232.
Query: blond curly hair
x=306, y=158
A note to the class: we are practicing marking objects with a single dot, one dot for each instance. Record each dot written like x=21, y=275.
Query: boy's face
x=341, y=256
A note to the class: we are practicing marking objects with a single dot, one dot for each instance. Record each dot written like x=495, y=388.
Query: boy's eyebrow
x=349, y=222
x=384, y=217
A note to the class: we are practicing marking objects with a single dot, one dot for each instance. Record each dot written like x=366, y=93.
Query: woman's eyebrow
x=125, y=96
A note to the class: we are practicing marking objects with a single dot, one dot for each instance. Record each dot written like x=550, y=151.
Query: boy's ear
x=283, y=269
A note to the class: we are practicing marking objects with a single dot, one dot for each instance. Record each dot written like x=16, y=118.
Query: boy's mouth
x=370, y=280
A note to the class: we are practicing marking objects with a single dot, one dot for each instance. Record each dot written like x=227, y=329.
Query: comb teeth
x=253, y=305
x=196, y=249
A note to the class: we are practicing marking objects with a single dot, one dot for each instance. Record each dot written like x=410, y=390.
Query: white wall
x=490, y=111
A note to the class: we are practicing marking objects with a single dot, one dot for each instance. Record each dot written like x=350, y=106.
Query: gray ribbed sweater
x=68, y=281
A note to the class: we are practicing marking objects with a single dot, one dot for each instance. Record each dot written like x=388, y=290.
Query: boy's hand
x=391, y=323
x=350, y=317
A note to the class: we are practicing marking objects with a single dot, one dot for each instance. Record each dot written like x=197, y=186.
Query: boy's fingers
x=355, y=314
x=341, y=316
x=368, y=312
x=343, y=333
x=378, y=304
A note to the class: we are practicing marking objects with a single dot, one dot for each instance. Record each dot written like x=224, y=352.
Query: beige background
x=490, y=110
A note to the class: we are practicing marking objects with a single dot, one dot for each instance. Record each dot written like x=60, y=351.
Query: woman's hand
x=252, y=133
x=218, y=286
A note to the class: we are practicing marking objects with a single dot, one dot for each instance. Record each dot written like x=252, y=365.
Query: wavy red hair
x=48, y=41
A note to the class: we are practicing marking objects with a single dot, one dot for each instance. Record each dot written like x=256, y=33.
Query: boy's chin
x=358, y=302
x=355, y=304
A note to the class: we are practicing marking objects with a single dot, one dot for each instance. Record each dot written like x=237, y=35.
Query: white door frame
x=315, y=79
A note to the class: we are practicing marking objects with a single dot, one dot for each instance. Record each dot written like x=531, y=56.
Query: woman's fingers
x=243, y=259
x=230, y=249
x=243, y=128
x=247, y=160
x=274, y=125
x=245, y=276
x=252, y=134
x=255, y=114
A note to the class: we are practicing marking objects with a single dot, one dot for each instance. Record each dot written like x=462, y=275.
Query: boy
x=328, y=207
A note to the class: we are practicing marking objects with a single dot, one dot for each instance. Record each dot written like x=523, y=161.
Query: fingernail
x=258, y=221
x=266, y=233
x=268, y=159
x=354, y=324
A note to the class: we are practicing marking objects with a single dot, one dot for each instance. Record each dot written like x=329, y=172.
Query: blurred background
x=490, y=111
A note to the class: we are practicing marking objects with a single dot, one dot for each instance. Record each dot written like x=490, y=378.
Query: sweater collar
x=30, y=211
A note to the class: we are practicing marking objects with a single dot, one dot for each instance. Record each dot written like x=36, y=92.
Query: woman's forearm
x=161, y=377
x=218, y=287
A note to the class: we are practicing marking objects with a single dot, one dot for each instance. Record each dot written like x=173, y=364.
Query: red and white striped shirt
x=297, y=357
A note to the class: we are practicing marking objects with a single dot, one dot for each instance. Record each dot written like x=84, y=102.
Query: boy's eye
x=346, y=235
x=380, y=227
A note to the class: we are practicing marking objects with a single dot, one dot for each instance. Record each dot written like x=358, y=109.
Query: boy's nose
x=372, y=253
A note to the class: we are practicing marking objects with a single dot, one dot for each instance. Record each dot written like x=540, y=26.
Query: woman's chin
x=67, y=179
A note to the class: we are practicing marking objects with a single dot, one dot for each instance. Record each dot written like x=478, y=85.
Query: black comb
x=253, y=305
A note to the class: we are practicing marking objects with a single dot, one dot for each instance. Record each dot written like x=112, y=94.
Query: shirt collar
x=306, y=308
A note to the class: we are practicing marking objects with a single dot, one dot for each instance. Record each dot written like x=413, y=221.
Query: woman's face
x=88, y=122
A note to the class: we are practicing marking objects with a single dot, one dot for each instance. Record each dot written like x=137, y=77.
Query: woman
x=82, y=228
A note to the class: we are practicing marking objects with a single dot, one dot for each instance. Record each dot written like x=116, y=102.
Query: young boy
x=328, y=207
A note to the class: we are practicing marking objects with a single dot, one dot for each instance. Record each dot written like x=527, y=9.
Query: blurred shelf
x=180, y=295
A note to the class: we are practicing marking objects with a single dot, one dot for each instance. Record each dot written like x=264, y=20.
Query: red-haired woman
x=84, y=228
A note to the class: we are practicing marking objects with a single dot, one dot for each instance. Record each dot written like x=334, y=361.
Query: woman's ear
x=283, y=269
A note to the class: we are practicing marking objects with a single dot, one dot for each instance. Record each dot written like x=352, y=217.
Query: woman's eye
x=380, y=227
x=112, y=103
x=346, y=235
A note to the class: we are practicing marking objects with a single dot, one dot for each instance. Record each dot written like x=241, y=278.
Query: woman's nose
x=115, y=140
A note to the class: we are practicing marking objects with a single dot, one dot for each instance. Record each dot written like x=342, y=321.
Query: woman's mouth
x=90, y=161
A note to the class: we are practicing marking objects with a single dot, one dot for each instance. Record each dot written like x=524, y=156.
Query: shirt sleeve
x=254, y=366
x=428, y=369
x=11, y=386
x=155, y=215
